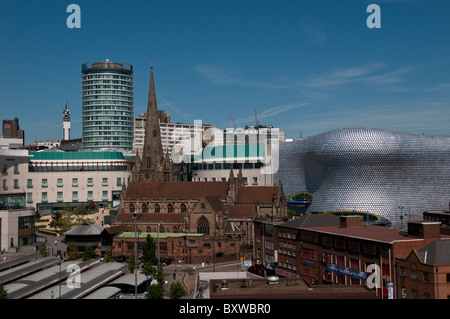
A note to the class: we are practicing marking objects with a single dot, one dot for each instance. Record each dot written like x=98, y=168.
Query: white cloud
x=315, y=31
x=371, y=74
x=224, y=76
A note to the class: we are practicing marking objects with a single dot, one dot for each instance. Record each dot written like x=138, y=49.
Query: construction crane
x=234, y=124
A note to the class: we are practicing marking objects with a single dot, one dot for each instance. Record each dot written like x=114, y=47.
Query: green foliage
x=177, y=290
x=43, y=251
x=109, y=255
x=149, y=251
x=72, y=251
x=149, y=269
x=160, y=275
x=67, y=219
x=155, y=291
x=89, y=253
x=3, y=291
x=131, y=265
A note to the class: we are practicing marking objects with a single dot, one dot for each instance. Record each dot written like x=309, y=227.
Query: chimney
x=425, y=229
x=350, y=221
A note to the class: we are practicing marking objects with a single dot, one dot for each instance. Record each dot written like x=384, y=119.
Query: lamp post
x=59, y=263
x=135, y=255
x=159, y=225
x=437, y=281
x=214, y=251
x=243, y=253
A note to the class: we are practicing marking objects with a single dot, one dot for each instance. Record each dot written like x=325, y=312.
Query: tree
x=43, y=251
x=149, y=251
x=72, y=252
x=131, y=265
x=55, y=222
x=148, y=269
x=109, y=256
x=155, y=291
x=3, y=291
x=89, y=253
x=177, y=290
x=160, y=275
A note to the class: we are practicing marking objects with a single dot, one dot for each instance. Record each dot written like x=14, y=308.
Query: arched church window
x=170, y=208
x=183, y=208
x=131, y=208
x=144, y=208
x=148, y=162
x=157, y=208
x=203, y=226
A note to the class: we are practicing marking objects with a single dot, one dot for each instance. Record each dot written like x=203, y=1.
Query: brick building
x=326, y=249
x=425, y=273
x=220, y=211
x=192, y=248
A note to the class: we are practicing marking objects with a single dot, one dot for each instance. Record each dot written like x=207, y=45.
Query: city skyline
x=305, y=67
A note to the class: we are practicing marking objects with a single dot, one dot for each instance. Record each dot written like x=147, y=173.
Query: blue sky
x=306, y=67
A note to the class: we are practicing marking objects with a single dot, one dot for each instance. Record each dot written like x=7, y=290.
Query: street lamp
x=59, y=263
x=159, y=225
x=214, y=251
x=135, y=254
x=243, y=253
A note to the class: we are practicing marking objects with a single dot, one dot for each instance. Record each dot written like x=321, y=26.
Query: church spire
x=152, y=154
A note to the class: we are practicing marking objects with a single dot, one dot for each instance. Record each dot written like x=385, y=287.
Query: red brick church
x=194, y=221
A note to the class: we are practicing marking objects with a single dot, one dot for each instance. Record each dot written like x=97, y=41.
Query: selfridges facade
x=394, y=175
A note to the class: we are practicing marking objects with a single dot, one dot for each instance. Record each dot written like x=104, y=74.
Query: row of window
x=107, y=97
x=60, y=182
x=223, y=179
x=227, y=166
x=157, y=208
x=105, y=76
x=60, y=197
x=340, y=243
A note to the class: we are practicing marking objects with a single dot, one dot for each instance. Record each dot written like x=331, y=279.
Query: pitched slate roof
x=241, y=211
x=87, y=229
x=141, y=190
x=253, y=194
x=312, y=220
x=437, y=253
x=151, y=218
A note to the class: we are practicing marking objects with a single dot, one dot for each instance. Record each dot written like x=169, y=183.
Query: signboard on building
x=347, y=271
x=390, y=290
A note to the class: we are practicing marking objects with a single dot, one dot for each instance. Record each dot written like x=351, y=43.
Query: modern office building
x=392, y=175
x=11, y=129
x=107, y=105
x=54, y=180
x=16, y=220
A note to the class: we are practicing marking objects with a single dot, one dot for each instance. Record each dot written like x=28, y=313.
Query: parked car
x=121, y=259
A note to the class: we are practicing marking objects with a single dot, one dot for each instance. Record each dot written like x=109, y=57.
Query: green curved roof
x=55, y=156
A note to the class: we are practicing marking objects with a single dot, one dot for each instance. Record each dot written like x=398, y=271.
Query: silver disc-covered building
x=396, y=176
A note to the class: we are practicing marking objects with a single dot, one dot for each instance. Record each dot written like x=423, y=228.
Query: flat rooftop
x=285, y=289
